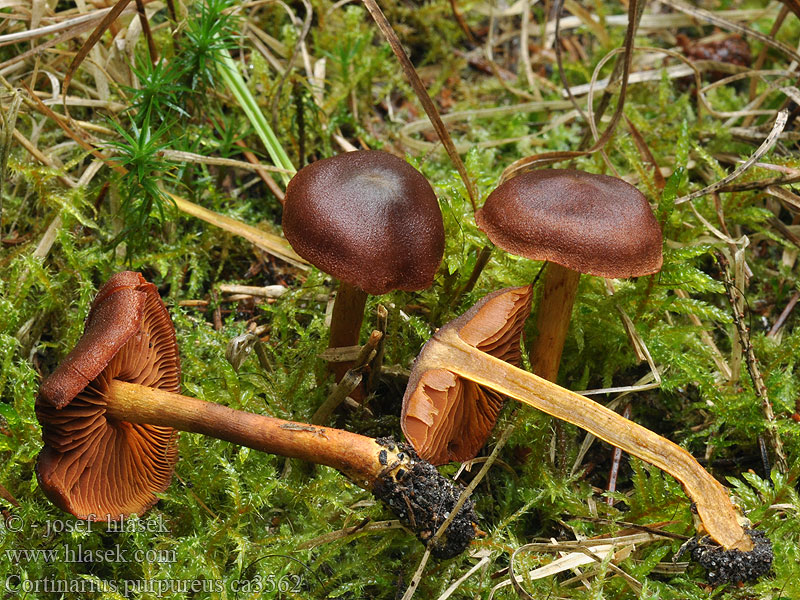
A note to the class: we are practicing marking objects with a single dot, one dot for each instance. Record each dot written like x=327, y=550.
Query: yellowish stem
x=447, y=350
x=552, y=320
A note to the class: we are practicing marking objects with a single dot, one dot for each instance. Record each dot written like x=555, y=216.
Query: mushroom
x=110, y=414
x=580, y=223
x=450, y=359
x=370, y=220
x=449, y=418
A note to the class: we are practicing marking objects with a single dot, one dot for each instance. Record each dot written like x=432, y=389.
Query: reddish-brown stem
x=354, y=455
x=552, y=319
x=348, y=314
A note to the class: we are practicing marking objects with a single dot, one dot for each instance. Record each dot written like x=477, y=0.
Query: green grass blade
x=238, y=87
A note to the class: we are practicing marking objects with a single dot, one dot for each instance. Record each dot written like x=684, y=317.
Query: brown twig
x=148, y=33
x=752, y=365
x=351, y=379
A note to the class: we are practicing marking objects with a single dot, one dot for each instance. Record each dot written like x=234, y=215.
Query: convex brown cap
x=368, y=218
x=91, y=465
x=447, y=417
x=589, y=223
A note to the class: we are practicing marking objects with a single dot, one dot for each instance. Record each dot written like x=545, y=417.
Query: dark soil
x=422, y=499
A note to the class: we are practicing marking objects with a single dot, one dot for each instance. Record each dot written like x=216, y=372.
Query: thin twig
x=349, y=382
x=752, y=366
x=430, y=109
x=769, y=142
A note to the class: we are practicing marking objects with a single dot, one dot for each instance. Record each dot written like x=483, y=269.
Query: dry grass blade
x=45, y=110
x=419, y=88
x=89, y=44
x=191, y=157
x=769, y=142
x=576, y=554
x=268, y=242
x=485, y=558
x=8, y=121
x=37, y=32
x=790, y=199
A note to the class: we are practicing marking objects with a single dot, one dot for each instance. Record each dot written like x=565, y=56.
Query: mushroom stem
x=354, y=455
x=447, y=350
x=348, y=314
x=411, y=487
x=552, y=319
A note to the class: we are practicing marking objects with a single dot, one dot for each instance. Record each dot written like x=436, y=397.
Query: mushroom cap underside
x=93, y=466
x=447, y=417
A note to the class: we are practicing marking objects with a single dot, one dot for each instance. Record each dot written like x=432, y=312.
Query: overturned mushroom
x=450, y=360
x=450, y=418
x=110, y=414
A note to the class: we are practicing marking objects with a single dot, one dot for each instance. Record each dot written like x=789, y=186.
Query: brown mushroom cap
x=589, y=223
x=446, y=417
x=368, y=218
x=91, y=465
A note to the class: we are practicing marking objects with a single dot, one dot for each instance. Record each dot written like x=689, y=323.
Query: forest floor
x=159, y=137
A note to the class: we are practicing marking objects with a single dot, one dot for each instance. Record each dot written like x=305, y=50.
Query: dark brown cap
x=91, y=465
x=368, y=218
x=447, y=417
x=589, y=223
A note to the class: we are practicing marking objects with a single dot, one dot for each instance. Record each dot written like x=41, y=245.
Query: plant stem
x=447, y=350
x=238, y=87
